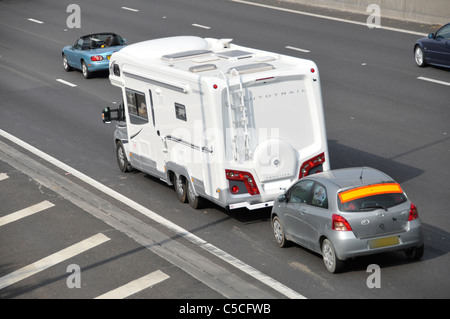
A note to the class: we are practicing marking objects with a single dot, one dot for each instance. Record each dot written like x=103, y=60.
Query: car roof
x=351, y=177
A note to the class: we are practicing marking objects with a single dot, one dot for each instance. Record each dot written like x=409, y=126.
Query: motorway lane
x=196, y=274
x=103, y=268
x=355, y=96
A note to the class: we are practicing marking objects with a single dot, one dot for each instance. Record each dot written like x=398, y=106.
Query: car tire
x=419, y=56
x=121, y=156
x=180, y=188
x=84, y=69
x=332, y=263
x=66, y=64
x=278, y=232
x=195, y=201
x=415, y=253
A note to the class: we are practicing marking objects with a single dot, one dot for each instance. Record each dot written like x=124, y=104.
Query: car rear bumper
x=348, y=246
x=98, y=65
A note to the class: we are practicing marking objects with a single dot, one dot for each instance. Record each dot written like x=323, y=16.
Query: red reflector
x=234, y=189
x=312, y=70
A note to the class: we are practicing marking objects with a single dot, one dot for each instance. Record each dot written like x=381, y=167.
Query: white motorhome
x=218, y=121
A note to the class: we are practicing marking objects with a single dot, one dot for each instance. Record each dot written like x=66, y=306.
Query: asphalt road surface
x=381, y=110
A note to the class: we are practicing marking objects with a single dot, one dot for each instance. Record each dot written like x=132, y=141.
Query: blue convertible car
x=434, y=49
x=91, y=53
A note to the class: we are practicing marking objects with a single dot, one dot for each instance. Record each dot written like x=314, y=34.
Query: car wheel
x=415, y=252
x=122, y=160
x=419, y=56
x=278, y=232
x=194, y=200
x=66, y=64
x=86, y=73
x=332, y=263
x=180, y=188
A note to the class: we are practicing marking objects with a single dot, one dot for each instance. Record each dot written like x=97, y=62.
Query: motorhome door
x=140, y=130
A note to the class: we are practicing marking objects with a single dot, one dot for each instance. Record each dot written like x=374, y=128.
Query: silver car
x=346, y=213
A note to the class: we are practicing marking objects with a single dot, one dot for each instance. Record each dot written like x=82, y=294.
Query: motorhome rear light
x=310, y=164
x=413, y=212
x=243, y=177
x=313, y=70
x=339, y=223
x=215, y=86
x=96, y=58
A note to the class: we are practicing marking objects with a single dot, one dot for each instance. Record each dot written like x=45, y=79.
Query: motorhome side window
x=137, y=107
x=180, y=111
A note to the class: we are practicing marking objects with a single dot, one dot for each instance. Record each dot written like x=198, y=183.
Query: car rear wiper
x=375, y=206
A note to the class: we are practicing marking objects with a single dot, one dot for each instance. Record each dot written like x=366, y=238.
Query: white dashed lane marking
x=135, y=286
x=25, y=212
x=52, y=260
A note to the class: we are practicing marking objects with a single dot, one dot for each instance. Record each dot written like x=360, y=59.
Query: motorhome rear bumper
x=250, y=206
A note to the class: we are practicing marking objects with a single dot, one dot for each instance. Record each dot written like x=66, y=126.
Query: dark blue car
x=434, y=49
x=91, y=53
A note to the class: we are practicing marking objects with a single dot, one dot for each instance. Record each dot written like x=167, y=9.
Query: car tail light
x=310, y=164
x=96, y=58
x=413, y=213
x=244, y=177
x=339, y=223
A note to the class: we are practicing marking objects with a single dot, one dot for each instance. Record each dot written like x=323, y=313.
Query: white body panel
x=217, y=107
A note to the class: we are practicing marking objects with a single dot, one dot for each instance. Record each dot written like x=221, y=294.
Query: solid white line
x=130, y=9
x=297, y=49
x=52, y=260
x=66, y=83
x=135, y=286
x=200, y=26
x=433, y=80
x=326, y=17
x=35, y=21
x=161, y=220
x=3, y=176
x=25, y=212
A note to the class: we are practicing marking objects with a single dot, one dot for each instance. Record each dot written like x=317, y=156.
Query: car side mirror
x=282, y=198
x=430, y=35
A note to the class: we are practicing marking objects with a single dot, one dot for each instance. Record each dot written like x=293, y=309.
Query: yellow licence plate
x=108, y=56
x=384, y=242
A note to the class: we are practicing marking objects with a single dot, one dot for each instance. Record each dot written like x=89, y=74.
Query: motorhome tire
x=122, y=160
x=195, y=201
x=180, y=188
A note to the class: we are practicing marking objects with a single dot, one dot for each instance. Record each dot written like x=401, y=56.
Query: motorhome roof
x=205, y=56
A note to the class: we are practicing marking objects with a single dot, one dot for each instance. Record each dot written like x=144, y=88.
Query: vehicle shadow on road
x=342, y=156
